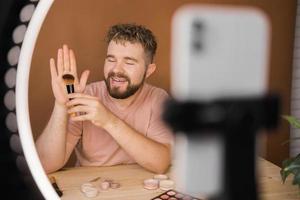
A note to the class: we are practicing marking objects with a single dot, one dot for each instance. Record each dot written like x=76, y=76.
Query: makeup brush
x=55, y=186
x=69, y=81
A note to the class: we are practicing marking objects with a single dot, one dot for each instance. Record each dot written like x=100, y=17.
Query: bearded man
x=110, y=122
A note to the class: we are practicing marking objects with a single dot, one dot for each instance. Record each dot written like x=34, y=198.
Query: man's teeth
x=119, y=79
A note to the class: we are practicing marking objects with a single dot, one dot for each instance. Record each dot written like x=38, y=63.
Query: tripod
x=236, y=122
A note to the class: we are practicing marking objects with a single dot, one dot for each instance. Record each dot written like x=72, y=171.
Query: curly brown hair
x=135, y=34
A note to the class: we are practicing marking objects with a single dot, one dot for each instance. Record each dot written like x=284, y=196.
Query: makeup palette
x=174, y=195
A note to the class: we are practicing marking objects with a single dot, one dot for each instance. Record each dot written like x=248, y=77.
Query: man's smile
x=117, y=81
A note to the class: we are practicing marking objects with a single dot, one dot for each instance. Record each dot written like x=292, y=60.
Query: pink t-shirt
x=95, y=146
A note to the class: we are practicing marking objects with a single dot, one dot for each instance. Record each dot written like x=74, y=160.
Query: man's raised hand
x=66, y=64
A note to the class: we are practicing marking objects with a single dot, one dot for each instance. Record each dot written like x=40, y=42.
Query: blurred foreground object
x=220, y=57
x=17, y=182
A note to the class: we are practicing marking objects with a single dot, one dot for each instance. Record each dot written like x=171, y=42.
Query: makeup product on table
x=89, y=190
x=109, y=183
x=95, y=179
x=151, y=184
x=166, y=185
x=84, y=186
x=55, y=186
x=174, y=195
x=161, y=181
x=161, y=177
x=105, y=185
x=93, y=187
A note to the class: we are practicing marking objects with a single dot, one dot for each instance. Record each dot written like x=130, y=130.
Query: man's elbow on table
x=161, y=164
x=162, y=169
x=51, y=166
x=50, y=169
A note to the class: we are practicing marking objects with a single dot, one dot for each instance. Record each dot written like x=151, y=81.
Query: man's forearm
x=51, y=144
x=150, y=154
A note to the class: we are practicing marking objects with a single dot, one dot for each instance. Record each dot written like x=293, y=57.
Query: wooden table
x=271, y=187
x=131, y=178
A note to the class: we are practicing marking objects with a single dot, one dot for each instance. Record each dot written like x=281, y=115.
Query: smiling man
x=117, y=120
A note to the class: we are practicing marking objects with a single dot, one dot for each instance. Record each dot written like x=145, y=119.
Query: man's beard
x=130, y=90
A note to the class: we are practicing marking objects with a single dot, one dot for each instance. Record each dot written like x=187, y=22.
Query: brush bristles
x=68, y=78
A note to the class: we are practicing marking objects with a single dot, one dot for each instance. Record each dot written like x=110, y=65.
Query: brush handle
x=58, y=191
x=55, y=186
x=70, y=88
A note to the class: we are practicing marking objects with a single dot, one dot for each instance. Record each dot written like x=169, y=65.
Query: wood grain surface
x=131, y=178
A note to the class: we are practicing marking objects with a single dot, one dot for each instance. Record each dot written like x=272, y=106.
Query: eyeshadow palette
x=174, y=195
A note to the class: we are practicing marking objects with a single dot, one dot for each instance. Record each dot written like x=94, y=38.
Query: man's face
x=124, y=69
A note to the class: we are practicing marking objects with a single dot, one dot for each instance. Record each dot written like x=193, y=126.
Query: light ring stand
x=22, y=110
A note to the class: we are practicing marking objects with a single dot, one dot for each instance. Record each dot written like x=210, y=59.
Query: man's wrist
x=112, y=123
x=60, y=106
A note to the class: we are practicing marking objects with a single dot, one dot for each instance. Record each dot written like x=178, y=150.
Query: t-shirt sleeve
x=158, y=130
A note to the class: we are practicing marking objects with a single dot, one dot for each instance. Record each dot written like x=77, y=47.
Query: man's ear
x=150, y=69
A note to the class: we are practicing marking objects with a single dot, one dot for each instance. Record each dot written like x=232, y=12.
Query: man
x=119, y=120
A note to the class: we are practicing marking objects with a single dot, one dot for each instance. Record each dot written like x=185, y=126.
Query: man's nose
x=118, y=67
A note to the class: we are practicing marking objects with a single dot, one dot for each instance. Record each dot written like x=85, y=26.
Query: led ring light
x=21, y=57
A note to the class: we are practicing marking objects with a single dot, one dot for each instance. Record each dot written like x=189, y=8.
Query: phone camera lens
x=197, y=35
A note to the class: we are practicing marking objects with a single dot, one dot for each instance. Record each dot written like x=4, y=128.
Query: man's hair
x=134, y=34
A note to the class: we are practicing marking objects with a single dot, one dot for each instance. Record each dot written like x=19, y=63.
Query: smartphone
x=218, y=51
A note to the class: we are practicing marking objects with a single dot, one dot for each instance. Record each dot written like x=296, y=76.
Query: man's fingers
x=83, y=79
x=90, y=101
x=53, y=68
x=60, y=64
x=66, y=59
x=72, y=62
x=79, y=109
x=80, y=95
x=82, y=117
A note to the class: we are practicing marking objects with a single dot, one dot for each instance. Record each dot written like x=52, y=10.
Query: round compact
x=166, y=185
x=105, y=185
x=109, y=180
x=85, y=186
x=160, y=177
x=151, y=184
x=89, y=190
